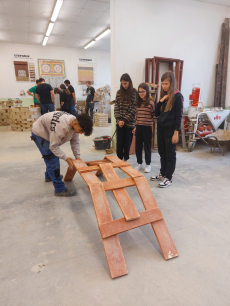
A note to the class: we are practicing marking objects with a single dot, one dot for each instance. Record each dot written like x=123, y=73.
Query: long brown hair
x=126, y=93
x=147, y=100
x=66, y=90
x=169, y=75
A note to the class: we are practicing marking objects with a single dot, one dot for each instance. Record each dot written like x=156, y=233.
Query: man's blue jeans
x=47, y=108
x=52, y=163
x=73, y=111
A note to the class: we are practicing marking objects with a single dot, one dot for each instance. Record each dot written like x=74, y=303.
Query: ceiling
x=78, y=22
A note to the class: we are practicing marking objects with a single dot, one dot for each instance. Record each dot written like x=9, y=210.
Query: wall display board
x=85, y=73
x=51, y=68
x=24, y=68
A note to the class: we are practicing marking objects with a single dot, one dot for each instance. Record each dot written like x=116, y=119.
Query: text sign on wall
x=22, y=57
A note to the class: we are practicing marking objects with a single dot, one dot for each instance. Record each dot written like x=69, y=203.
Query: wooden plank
x=166, y=59
x=96, y=162
x=116, y=184
x=220, y=68
x=125, y=203
x=96, y=168
x=161, y=231
x=225, y=65
x=147, y=69
x=177, y=74
x=120, y=225
x=112, y=247
x=181, y=73
x=113, y=159
x=131, y=171
x=153, y=70
x=69, y=175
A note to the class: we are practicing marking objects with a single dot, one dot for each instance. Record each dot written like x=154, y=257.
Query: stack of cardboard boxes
x=101, y=119
x=22, y=118
x=5, y=111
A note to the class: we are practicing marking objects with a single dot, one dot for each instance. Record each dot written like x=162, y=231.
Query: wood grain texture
x=125, y=203
x=120, y=225
x=161, y=231
x=112, y=247
x=116, y=184
x=69, y=175
x=131, y=171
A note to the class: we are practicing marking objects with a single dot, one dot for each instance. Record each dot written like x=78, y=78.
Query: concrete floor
x=51, y=252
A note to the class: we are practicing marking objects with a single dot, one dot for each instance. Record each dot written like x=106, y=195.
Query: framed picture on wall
x=21, y=71
x=51, y=68
x=85, y=73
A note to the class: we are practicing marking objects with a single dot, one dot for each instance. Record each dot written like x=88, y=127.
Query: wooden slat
x=70, y=173
x=96, y=168
x=116, y=184
x=225, y=64
x=161, y=231
x=153, y=70
x=220, y=68
x=181, y=73
x=177, y=74
x=125, y=203
x=113, y=159
x=112, y=247
x=120, y=225
x=96, y=162
x=131, y=171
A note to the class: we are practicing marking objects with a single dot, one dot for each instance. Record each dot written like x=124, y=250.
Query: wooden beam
x=225, y=64
x=116, y=184
x=147, y=69
x=177, y=74
x=125, y=203
x=113, y=251
x=161, y=231
x=120, y=225
x=153, y=70
x=217, y=101
x=181, y=73
x=96, y=168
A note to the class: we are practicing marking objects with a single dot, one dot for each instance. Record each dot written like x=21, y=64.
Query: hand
x=91, y=102
x=164, y=98
x=134, y=131
x=62, y=103
x=70, y=162
x=121, y=123
x=175, y=137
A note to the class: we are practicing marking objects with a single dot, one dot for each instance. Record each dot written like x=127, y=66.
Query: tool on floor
x=109, y=150
x=109, y=228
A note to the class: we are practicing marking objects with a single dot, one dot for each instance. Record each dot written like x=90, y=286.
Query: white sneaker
x=165, y=183
x=139, y=167
x=147, y=168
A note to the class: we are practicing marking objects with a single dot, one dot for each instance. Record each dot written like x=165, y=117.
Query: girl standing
x=169, y=111
x=125, y=112
x=143, y=129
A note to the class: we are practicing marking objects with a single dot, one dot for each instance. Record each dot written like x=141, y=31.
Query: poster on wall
x=51, y=68
x=24, y=68
x=85, y=73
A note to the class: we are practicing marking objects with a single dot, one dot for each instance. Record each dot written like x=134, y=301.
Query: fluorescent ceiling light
x=56, y=10
x=102, y=34
x=45, y=40
x=50, y=27
x=89, y=44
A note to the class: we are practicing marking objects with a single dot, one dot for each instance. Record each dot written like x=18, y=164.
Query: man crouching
x=52, y=130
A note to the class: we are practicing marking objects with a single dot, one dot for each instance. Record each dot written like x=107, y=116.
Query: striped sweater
x=124, y=111
x=145, y=114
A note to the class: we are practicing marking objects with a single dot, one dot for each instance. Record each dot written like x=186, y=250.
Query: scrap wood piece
x=161, y=231
x=225, y=64
x=120, y=225
x=125, y=203
x=113, y=251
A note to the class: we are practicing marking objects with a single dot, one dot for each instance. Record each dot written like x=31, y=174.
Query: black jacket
x=172, y=118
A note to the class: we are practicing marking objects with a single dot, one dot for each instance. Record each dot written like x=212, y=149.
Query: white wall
x=183, y=29
x=9, y=88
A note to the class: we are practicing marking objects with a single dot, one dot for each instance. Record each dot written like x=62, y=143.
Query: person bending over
x=52, y=130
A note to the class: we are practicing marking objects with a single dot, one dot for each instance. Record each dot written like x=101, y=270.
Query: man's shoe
x=139, y=167
x=49, y=180
x=156, y=177
x=147, y=168
x=165, y=183
x=65, y=193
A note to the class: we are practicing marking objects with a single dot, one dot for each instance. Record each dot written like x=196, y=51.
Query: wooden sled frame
x=108, y=227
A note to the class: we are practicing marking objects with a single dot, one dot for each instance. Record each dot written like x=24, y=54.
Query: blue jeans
x=73, y=111
x=47, y=108
x=51, y=161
